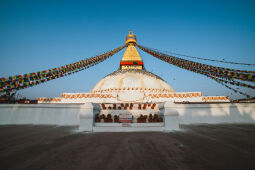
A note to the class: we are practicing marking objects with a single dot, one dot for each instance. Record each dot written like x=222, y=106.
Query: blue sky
x=42, y=34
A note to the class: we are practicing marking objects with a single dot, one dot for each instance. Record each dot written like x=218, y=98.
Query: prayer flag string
x=31, y=79
x=217, y=75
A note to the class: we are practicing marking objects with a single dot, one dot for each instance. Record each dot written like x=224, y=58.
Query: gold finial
x=131, y=38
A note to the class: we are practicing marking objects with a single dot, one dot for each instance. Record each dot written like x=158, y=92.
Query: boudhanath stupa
x=132, y=84
x=131, y=96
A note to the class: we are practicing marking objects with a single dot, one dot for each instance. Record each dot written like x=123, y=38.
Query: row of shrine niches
x=151, y=118
x=128, y=106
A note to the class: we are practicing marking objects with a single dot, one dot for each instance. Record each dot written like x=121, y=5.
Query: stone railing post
x=86, y=117
x=171, y=117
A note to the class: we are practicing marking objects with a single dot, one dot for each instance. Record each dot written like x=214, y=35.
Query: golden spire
x=131, y=38
x=131, y=58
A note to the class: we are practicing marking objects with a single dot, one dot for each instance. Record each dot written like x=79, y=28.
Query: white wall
x=216, y=113
x=50, y=114
x=70, y=114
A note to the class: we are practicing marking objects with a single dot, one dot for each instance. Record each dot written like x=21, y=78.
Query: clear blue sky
x=42, y=34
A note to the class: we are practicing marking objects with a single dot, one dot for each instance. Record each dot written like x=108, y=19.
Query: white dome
x=132, y=80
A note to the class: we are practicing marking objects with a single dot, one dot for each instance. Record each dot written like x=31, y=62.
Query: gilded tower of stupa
x=131, y=58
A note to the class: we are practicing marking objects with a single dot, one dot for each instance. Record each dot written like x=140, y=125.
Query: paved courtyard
x=194, y=147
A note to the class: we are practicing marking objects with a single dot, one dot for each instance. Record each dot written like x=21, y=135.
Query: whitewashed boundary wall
x=82, y=115
x=215, y=113
x=40, y=114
